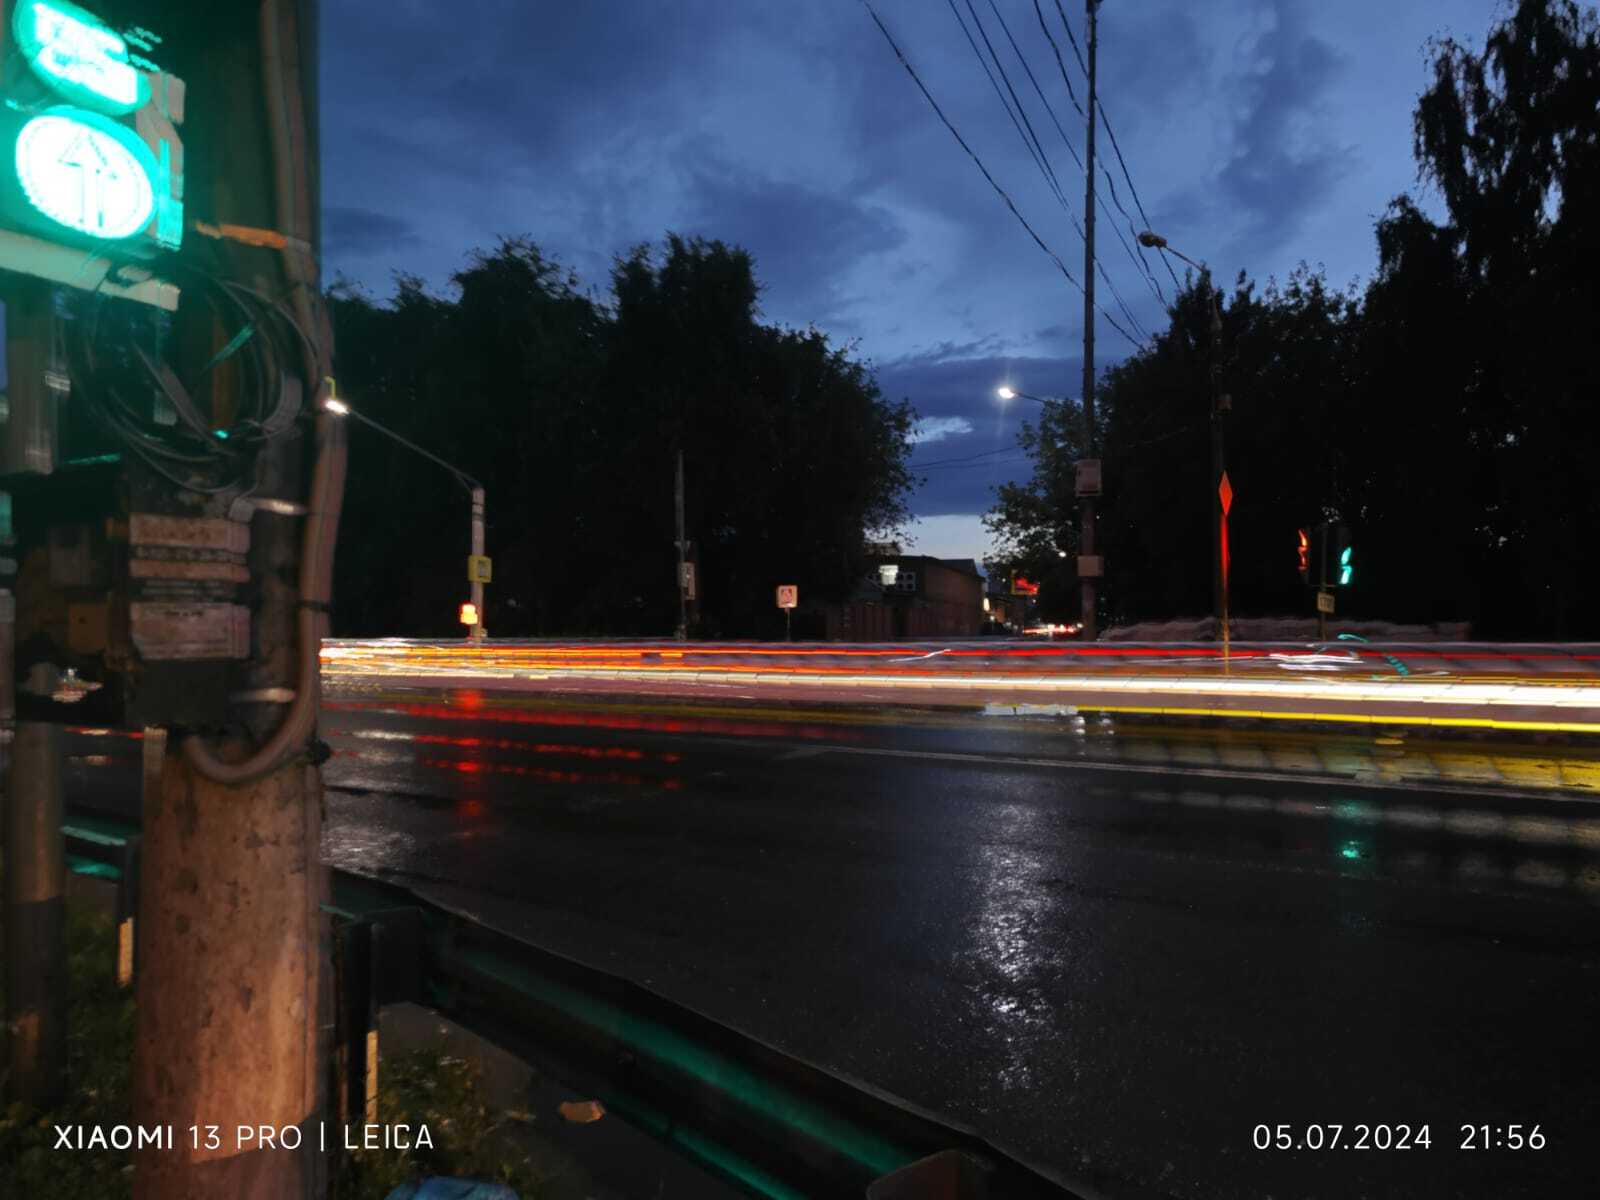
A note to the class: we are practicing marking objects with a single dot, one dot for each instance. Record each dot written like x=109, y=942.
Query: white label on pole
x=788, y=595
x=686, y=580
x=1325, y=602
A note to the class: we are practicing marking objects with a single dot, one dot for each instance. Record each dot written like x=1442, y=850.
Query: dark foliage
x=1448, y=416
x=572, y=414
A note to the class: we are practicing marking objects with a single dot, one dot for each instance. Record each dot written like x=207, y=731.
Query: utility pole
x=683, y=549
x=234, y=993
x=1087, y=547
x=35, y=915
x=1219, y=406
x=477, y=553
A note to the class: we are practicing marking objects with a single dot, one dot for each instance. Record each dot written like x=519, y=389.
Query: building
x=911, y=596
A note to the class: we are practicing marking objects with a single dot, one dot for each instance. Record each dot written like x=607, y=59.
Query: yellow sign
x=479, y=568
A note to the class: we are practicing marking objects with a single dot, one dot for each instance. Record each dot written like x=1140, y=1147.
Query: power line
x=939, y=462
x=1138, y=259
x=998, y=462
x=1137, y=262
x=1035, y=150
x=978, y=162
x=1030, y=138
x=1101, y=108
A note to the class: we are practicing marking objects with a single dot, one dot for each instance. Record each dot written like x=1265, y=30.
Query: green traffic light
x=1346, y=571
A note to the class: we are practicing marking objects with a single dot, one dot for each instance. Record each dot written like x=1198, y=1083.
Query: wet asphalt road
x=1118, y=972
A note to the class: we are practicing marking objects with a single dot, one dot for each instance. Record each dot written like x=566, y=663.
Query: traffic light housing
x=90, y=159
x=1344, y=561
x=1304, y=551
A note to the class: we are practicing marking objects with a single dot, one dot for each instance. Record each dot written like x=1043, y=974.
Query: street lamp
x=1220, y=405
x=1086, y=487
x=340, y=409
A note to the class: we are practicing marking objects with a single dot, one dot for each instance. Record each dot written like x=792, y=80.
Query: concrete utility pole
x=35, y=913
x=1087, y=547
x=234, y=994
x=477, y=552
x=684, y=586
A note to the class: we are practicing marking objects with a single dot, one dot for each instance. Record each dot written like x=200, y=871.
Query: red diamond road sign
x=1225, y=492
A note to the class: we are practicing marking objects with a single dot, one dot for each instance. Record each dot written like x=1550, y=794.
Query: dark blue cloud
x=351, y=233
x=1279, y=167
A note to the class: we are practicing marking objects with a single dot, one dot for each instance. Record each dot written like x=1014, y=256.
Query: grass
x=470, y=1138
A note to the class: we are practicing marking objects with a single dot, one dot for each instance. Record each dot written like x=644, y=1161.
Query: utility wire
x=1137, y=262
x=978, y=162
x=1067, y=25
x=1066, y=78
x=1031, y=138
x=939, y=462
x=997, y=462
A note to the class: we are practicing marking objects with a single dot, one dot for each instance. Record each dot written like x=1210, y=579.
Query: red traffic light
x=1305, y=552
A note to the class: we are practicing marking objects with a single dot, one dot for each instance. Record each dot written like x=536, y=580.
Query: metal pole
x=35, y=915
x=1087, y=546
x=1218, y=467
x=1322, y=584
x=683, y=585
x=477, y=552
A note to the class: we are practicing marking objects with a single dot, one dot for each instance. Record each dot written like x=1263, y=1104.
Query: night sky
x=1258, y=133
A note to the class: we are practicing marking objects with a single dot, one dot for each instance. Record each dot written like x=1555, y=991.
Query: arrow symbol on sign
x=84, y=154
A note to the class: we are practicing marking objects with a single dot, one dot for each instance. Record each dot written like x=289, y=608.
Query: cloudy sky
x=1258, y=134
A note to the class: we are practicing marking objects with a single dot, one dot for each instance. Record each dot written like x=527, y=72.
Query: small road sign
x=479, y=569
x=686, y=580
x=1325, y=602
x=788, y=595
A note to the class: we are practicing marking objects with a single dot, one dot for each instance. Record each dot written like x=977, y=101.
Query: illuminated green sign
x=87, y=173
x=78, y=56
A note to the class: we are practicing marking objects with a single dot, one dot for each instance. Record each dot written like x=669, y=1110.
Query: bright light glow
x=888, y=573
x=469, y=613
x=337, y=407
x=75, y=53
x=1005, y=393
x=87, y=173
x=1088, y=676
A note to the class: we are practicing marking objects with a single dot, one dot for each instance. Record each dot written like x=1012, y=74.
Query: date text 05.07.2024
x=1393, y=1137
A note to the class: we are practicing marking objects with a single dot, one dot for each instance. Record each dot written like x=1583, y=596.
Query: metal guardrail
x=773, y=1124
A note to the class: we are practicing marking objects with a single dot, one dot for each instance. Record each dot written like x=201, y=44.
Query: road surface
x=1134, y=969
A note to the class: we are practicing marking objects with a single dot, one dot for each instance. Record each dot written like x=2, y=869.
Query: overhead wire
x=1030, y=138
x=1139, y=259
x=978, y=162
x=1082, y=236
x=1101, y=109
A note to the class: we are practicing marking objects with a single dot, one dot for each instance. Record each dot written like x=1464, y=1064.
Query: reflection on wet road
x=1117, y=949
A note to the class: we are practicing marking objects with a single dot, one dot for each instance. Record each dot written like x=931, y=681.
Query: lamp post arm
x=466, y=481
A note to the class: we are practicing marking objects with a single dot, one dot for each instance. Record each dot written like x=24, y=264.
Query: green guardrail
x=771, y=1124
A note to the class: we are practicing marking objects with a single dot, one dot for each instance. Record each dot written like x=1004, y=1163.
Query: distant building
x=911, y=596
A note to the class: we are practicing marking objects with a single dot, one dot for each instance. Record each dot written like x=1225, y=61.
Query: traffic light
x=91, y=157
x=469, y=613
x=1347, y=568
x=1304, y=547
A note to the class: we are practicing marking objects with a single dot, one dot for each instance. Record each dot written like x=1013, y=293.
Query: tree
x=1500, y=302
x=571, y=414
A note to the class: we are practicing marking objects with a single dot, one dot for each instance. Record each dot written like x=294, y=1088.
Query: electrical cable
x=1032, y=141
x=1049, y=109
x=1000, y=191
x=1101, y=108
x=297, y=731
x=1139, y=259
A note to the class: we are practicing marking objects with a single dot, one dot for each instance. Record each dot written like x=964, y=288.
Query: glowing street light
x=478, y=563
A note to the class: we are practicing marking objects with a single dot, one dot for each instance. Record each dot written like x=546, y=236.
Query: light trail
x=1567, y=700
